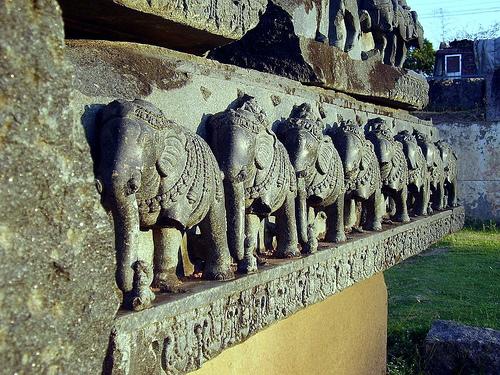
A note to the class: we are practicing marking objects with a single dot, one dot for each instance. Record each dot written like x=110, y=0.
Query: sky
x=449, y=17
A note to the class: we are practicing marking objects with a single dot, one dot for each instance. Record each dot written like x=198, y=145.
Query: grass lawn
x=457, y=279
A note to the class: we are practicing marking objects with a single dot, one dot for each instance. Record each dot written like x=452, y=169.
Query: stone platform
x=179, y=333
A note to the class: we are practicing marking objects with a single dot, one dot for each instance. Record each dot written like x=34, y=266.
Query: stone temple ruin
x=178, y=176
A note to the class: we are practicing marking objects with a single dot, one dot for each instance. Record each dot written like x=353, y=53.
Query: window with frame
x=453, y=65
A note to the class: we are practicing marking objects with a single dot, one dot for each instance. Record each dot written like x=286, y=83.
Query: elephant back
x=137, y=110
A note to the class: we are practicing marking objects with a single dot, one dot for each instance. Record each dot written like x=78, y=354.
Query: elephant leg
x=249, y=262
x=287, y=229
x=214, y=229
x=335, y=221
x=349, y=214
x=419, y=208
x=401, y=206
x=391, y=206
x=426, y=197
x=401, y=52
x=439, y=197
x=389, y=51
x=453, y=200
x=167, y=242
x=374, y=207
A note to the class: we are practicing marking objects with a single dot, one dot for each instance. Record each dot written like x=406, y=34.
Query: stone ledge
x=107, y=70
x=181, y=332
x=192, y=26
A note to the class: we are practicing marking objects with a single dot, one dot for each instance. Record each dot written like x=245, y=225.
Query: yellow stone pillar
x=344, y=335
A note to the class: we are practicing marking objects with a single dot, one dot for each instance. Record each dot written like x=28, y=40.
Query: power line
x=457, y=14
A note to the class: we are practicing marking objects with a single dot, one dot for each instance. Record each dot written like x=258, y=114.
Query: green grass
x=457, y=279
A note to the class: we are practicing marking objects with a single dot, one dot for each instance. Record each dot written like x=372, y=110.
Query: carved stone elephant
x=259, y=180
x=361, y=176
x=379, y=19
x=450, y=172
x=320, y=176
x=436, y=170
x=418, y=175
x=345, y=26
x=393, y=167
x=408, y=32
x=154, y=175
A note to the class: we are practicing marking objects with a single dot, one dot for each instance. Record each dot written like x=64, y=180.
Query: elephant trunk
x=126, y=222
x=301, y=211
x=235, y=208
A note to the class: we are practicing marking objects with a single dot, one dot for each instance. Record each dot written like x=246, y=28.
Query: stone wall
x=478, y=146
x=57, y=299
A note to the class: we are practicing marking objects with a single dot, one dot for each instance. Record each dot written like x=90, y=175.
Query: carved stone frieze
x=180, y=333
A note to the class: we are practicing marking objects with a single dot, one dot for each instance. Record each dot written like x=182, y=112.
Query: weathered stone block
x=57, y=293
x=449, y=95
x=274, y=46
x=453, y=348
x=193, y=26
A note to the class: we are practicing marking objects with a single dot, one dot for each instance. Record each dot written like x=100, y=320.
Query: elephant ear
x=366, y=157
x=325, y=157
x=264, y=149
x=171, y=157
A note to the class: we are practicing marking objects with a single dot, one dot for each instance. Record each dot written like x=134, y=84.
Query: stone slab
x=193, y=26
x=181, y=332
x=276, y=46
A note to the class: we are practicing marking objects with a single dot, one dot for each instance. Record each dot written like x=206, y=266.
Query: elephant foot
x=310, y=247
x=261, y=261
x=340, y=237
x=376, y=227
x=357, y=230
x=404, y=218
x=168, y=283
x=218, y=272
x=139, y=300
x=289, y=252
x=420, y=213
x=247, y=265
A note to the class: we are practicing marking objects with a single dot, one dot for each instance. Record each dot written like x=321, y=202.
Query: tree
x=422, y=59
